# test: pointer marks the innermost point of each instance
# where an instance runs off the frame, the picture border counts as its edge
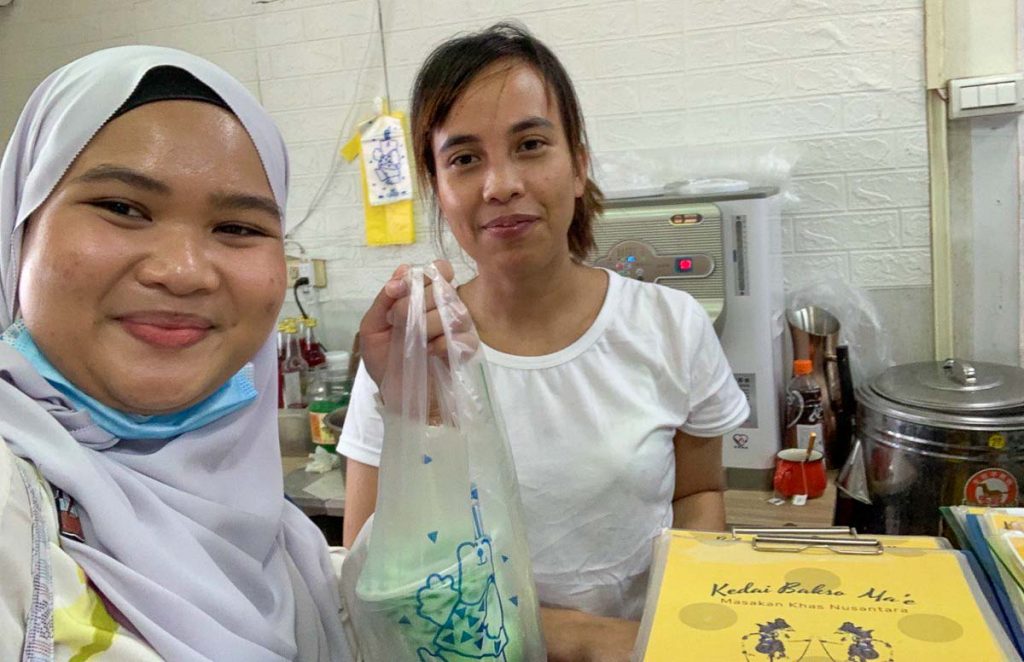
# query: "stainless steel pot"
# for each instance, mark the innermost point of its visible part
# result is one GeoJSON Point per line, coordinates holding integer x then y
{"type": "Point", "coordinates": [939, 433]}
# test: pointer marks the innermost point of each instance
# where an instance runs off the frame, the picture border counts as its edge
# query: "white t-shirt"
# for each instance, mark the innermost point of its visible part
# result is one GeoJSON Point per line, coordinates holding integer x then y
{"type": "Point", "coordinates": [591, 429]}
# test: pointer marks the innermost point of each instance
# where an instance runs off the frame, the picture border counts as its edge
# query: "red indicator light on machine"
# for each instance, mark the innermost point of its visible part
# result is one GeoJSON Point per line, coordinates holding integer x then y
{"type": "Point", "coordinates": [684, 264]}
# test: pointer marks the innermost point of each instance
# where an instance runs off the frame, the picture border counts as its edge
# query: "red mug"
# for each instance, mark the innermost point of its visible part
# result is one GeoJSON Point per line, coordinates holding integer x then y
{"type": "Point", "coordinates": [795, 473]}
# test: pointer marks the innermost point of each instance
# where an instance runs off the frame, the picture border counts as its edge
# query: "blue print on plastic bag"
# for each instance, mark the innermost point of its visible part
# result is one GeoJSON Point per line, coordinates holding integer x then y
{"type": "Point", "coordinates": [474, 628]}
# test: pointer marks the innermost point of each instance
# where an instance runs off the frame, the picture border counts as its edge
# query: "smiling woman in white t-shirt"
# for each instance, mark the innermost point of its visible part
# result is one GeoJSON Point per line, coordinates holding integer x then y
{"type": "Point", "coordinates": [615, 393]}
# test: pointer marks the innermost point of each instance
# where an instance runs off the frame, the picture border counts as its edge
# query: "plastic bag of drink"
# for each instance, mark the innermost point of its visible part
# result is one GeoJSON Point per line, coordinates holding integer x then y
{"type": "Point", "coordinates": [447, 570]}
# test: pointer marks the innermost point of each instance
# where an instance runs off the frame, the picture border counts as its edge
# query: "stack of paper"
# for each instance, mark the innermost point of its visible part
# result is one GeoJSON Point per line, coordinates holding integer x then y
{"type": "Point", "coordinates": [717, 597]}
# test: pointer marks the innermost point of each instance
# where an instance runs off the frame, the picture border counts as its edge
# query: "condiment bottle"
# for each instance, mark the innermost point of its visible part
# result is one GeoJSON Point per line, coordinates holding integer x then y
{"type": "Point", "coordinates": [293, 368]}
{"type": "Point", "coordinates": [327, 392]}
{"type": "Point", "coordinates": [803, 404]}
{"type": "Point", "coordinates": [282, 344]}
{"type": "Point", "coordinates": [312, 350]}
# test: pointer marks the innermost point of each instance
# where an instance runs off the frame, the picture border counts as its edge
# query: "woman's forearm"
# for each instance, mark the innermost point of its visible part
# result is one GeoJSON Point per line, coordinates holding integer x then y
{"type": "Point", "coordinates": [575, 636]}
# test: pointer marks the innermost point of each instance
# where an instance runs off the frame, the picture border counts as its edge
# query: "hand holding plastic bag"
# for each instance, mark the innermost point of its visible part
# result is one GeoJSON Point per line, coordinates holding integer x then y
{"type": "Point", "coordinates": [387, 316]}
{"type": "Point", "coordinates": [447, 574]}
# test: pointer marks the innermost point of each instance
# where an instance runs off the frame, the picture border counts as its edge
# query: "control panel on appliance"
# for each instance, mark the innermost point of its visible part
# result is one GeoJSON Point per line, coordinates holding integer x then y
{"type": "Point", "coordinates": [639, 260]}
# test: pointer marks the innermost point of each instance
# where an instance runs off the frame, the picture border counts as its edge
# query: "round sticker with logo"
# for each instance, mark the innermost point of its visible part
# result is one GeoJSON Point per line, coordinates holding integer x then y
{"type": "Point", "coordinates": [991, 487]}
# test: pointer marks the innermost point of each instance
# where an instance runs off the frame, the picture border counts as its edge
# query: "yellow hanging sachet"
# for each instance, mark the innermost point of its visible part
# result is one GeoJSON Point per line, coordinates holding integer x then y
{"type": "Point", "coordinates": [385, 178]}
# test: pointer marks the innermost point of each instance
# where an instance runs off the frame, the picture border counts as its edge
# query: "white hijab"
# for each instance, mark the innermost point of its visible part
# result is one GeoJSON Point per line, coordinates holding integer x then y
{"type": "Point", "coordinates": [191, 539]}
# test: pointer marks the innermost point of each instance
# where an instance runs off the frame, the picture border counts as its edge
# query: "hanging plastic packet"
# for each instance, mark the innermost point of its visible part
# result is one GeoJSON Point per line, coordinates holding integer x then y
{"type": "Point", "coordinates": [853, 477]}
{"type": "Point", "coordinates": [447, 571]}
{"type": "Point", "coordinates": [384, 179]}
{"type": "Point", "coordinates": [386, 160]}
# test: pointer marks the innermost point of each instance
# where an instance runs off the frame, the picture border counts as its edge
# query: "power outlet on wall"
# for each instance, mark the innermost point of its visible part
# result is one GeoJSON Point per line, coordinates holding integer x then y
{"type": "Point", "coordinates": [315, 270]}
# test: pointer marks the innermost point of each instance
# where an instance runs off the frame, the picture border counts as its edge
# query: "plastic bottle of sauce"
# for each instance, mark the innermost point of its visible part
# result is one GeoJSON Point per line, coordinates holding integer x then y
{"type": "Point", "coordinates": [282, 344]}
{"type": "Point", "coordinates": [803, 405]}
{"type": "Point", "coordinates": [293, 369]}
{"type": "Point", "coordinates": [312, 350]}
{"type": "Point", "coordinates": [328, 391]}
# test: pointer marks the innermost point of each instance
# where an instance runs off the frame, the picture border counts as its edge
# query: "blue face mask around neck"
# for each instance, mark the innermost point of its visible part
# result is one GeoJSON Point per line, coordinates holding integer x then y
{"type": "Point", "coordinates": [238, 392]}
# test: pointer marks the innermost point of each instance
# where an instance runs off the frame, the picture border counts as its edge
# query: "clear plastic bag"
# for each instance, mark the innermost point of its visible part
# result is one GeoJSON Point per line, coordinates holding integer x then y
{"type": "Point", "coordinates": [860, 325]}
{"type": "Point", "coordinates": [447, 572]}
{"type": "Point", "coordinates": [697, 169]}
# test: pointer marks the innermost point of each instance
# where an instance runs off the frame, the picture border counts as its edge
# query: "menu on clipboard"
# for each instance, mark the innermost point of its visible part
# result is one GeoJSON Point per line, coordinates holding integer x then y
{"type": "Point", "coordinates": [763, 597]}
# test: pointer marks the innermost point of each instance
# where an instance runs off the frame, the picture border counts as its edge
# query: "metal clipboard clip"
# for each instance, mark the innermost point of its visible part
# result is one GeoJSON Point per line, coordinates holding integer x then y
{"type": "Point", "coordinates": [837, 539]}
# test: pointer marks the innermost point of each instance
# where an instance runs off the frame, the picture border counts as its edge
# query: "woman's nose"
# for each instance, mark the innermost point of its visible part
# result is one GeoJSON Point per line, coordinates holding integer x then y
{"type": "Point", "coordinates": [503, 181]}
{"type": "Point", "coordinates": [180, 262]}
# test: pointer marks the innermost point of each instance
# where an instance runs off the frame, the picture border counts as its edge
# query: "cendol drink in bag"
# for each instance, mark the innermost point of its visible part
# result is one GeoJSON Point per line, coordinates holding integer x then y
{"type": "Point", "coordinates": [447, 572]}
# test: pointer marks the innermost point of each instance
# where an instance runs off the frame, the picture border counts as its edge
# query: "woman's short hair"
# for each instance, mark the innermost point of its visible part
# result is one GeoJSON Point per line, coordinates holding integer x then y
{"type": "Point", "coordinates": [450, 69]}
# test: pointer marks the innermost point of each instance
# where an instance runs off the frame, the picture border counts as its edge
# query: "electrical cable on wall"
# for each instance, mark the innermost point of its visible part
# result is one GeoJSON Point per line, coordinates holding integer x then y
{"type": "Point", "coordinates": [336, 158]}
{"type": "Point", "coordinates": [384, 58]}
{"type": "Point", "coordinates": [299, 282]}
{"type": "Point", "coordinates": [302, 250]}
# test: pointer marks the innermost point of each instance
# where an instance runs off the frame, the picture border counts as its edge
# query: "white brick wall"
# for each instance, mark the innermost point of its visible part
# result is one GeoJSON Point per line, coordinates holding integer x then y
{"type": "Point", "coordinates": [839, 79]}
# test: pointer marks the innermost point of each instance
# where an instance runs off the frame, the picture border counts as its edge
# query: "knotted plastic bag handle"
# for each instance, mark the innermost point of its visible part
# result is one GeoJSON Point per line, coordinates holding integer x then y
{"type": "Point", "coordinates": [424, 383]}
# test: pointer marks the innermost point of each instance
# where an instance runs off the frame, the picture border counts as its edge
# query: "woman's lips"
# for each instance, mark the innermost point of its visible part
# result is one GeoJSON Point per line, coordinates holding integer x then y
{"type": "Point", "coordinates": [509, 227]}
{"type": "Point", "coordinates": [167, 331]}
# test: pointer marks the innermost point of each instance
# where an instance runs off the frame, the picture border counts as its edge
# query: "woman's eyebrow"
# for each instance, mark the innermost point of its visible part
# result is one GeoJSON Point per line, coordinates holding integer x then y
{"type": "Point", "coordinates": [225, 200]}
{"type": "Point", "coordinates": [456, 140]}
{"type": "Point", "coordinates": [108, 172]}
{"type": "Point", "coordinates": [535, 122]}
{"type": "Point", "coordinates": [244, 201]}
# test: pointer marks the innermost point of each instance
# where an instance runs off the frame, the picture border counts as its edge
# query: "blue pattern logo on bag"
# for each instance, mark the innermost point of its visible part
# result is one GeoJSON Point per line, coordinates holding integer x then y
{"type": "Point", "coordinates": [466, 610]}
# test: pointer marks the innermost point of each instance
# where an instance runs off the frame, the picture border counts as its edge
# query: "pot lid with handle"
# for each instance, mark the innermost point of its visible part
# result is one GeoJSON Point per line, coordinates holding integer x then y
{"type": "Point", "coordinates": [954, 386]}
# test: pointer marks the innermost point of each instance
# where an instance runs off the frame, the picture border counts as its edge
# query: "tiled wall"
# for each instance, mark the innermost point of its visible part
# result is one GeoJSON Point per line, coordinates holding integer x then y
{"type": "Point", "coordinates": [841, 80]}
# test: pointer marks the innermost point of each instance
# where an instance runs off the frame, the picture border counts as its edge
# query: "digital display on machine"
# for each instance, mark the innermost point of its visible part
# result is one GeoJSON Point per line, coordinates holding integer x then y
{"type": "Point", "coordinates": [684, 264]}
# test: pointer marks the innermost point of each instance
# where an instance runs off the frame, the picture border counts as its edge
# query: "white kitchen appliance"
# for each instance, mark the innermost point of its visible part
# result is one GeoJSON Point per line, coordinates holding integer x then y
{"type": "Point", "coordinates": [725, 250]}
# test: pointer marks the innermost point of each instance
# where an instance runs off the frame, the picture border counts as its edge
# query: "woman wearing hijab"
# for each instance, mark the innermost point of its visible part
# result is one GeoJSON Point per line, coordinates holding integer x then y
{"type": "Point", "coordinates": [141, 502]}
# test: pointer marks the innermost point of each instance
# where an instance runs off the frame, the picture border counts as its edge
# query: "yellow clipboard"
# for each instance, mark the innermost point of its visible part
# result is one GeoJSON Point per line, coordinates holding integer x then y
{"type": "Point", "coordinates": [834, 596]}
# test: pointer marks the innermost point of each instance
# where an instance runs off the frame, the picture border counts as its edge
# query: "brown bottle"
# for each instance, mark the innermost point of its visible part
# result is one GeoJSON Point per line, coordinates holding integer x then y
{"type": "Point", "coordinates": [804, 408]}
